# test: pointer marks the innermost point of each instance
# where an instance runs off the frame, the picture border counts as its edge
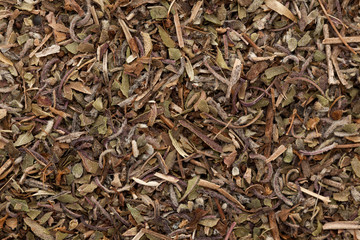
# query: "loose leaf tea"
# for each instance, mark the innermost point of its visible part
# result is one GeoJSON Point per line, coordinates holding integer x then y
{"type": "Point", "coordinates": [164, 119]}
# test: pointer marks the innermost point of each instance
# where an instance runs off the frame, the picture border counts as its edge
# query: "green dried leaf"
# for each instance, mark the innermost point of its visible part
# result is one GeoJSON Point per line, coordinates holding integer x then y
{"type": "Point", "coordinates": [19, 205]}
{"type": "Point", "coordinates": [319, 56]}
{"type": "Point", "coordinates": [351, 128]}
{"type": "Point", "coordinates": [24, 139]}
{"type": "Point", "coordinates": [60, 235]}
{"type": "Point", "coordinates": [292, 44]}
{"type": "Point", "coordinates": [274, 71]}
{"type": "Point", "coordinates": [209, 222]}
{"type": "Point", "coordinates": [255, 5]}
{"type": "Point", "coordinates": [355, 164]}
{"type": "Point", "coordinates": [135, 214]}
{"type": "Point", "coordinates": [87, 188]}
{"type": "Point", "coordinates": [203, 106]}
{"type": "Point", "coordinates": [158, 12]}
{"type": "Point", "coordinates": [241, 12]}
{"type": "Point", "coordinates": [355, 58]}
{"type": "Point", "coordinates": [77, 170]}
{"type": "Point", "coordinates": [325, 102]}
{"type": "Point", "coordinates": [212, 18]}
{"type": "Point", "coordinates": [281, 23]}
{"type": "Point", "coordinates": [45, 218]}
{"type": "Point", "coordinates": [37, 229]}
{"type": "Point", "coordinates": [33, 213]}
{"type": "Point", "coordinates": [67, 198]}
{"type": "Point", "coordinates": [304, 40]}
{"type": "Point", "coordinates": [22, 38]}
{"type": "Point", "coordinates": [174, 53]}
{"type": "Point", "coordinates": [72, 47]}
{"type": "Point", "coordinates": [98, 104]}
{"type": "Point", "coordinates": [289, 155]}
{"type": "Point", "coordinates": [254, 204]}
{"type": "Point", "coordinates": [241, 232]}
{"type": "Point", "coordinates": [167, 41]}
{"type": "Point", "coordinates": [177, 146]}
{"type": "Point", "coordinates": [221, 13]}
{"type": "Point", "coordinates": [318, 229]}
{"type": "Point", "coordinates": [192, 183]}
{"type": "Point", "coordinates": [116, 84]}
{"type": "Point", "coordinates": [85, 121]}
{"type": "Point", "coordinates": [100, 125]}
{"type": "Point", "coordinates": [125, 85]}
{"type": "Point", "coordinates": [289, 97]}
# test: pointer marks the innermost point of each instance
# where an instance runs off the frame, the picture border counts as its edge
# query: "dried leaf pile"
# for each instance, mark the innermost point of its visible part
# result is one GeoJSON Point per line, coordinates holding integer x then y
{"type": "Point", "coordinates": [157, 119]}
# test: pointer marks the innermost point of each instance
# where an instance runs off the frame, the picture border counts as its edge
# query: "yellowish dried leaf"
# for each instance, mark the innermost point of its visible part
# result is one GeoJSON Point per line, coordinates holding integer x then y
{"type": "Point", "coordinates": [355, 139]}
{"type": "Point", "coordinates": [280, 9]}
{"type": "Point", "coordinates": [3, 113]}
{"type": "Point", "coordinates": [177, 146]}
{"type": "Point", "coordinates": [5, 60]}
{"type": "Point", "coordinates": [147, 43]}
{"type": "Point", "coordinates": [189, 69]}
{"type": "Point", "coordinates": [220, 60]}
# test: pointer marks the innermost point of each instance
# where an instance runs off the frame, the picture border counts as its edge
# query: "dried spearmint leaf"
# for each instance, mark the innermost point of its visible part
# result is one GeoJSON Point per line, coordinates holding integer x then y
{"type": "Point", "coordinates": [38, 230]}
{"type": "Point", "coordinates": [111, 114]}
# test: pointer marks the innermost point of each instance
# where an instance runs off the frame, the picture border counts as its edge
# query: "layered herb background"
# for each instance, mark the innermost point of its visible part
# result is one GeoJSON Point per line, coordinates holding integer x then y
{"type": "Point", "coordinates": [155, 119]}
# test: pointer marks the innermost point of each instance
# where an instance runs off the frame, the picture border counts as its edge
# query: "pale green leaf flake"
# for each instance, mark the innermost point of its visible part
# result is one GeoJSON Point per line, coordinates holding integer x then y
{"type": "Point", "coordinates": [87, 188]}
{"type": "Point", "coordinates": [355, 164]}
{"type": "Point", "coordinates": [72, 47]}
{"type": "Point", "coordinates": [165, 37]}
{"type": "Point", "coordinates": [192, 183]}
{"type": "Point", "coordinates": [274, 71]}
{"type": "Point", "coordinates": [125, 85]}
{"type": "Point", "coordinates": [177, 146]}
{"type": "Point", "coordinates": [189, 69]}
{"type": "Point", "coordinates": [305, 40]}
{"type": "Point", "coordinates": [19, 205]}
{"type": "Point", "coordinates": [174, 53]}
{"type": "Point", "coordinates": [292, 44]}
{"type": "Point", "coordinates": [220, 60]}
{"type": "Point", "coordinates": [77, 170]}
{"type": "Point", "coordinates": [98, 104]}
{"type": "Point", "coordinates": [158, 12]}
{"type": "Point", "coordinates": [209, 222]}
{"type": "Point", "coordinates": [37, 229]}
{"type": "Point", "coordinates": [212, 18]}
{"type": "Point", "coordinates": [135, 214]}
{"type": "Point", "coordinates": [23, 139]}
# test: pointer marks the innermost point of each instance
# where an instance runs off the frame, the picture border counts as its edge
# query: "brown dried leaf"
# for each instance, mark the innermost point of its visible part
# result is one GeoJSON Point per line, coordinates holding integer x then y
{"type": "Point", "coordinates": [229, 159]}
{"type": "Point", "coordinates": [79, 86]}
{"type": "Point", "coordinates": [201, 135]}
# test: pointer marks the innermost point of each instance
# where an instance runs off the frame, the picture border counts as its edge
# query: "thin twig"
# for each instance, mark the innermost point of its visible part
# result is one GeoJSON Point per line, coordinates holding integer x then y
{"type": "Point", "coordinates": [335, 29]}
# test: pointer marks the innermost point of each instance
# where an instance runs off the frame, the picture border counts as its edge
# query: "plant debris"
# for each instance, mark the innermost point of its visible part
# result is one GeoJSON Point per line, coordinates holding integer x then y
{"type": "Point", "coordinates": [164, 119]}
